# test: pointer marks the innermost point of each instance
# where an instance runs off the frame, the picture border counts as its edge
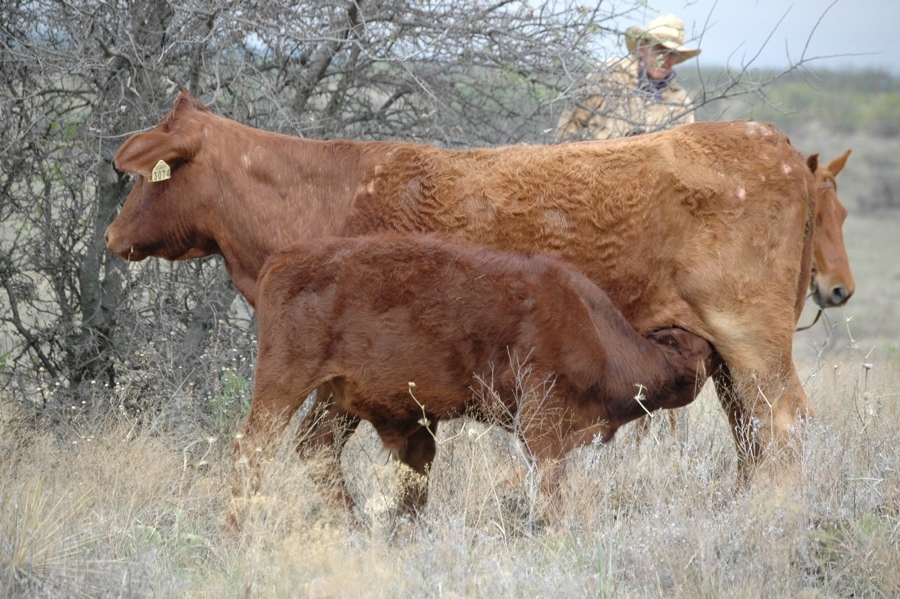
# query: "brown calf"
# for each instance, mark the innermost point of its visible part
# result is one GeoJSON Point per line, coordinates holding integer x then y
{"type": "Point", "coordinates": [405, 328]}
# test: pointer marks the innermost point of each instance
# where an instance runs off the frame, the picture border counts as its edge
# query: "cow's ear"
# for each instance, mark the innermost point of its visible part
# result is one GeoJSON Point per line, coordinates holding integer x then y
{"type": "Point", "coordinates": [188, 103]}
{"type": "Point", "coordinates": [813, 162]}
{"type": "Point", "coordinates": [143, 151]}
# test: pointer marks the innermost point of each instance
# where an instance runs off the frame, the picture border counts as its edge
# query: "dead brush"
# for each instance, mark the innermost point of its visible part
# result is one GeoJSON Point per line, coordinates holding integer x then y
{"type": "Point", "coordinates": [39, 551]}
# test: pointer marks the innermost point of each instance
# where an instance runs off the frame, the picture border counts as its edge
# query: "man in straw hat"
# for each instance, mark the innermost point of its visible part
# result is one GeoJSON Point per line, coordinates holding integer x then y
{"type": "Point", "coordinates": [635, 94]}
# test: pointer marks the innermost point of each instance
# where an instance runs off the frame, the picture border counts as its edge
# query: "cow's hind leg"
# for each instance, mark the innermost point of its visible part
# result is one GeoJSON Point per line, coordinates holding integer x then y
{"type": "Point", "coordinates": [740, 419]}
{"type": "Point", "coordinates": [321, 437]}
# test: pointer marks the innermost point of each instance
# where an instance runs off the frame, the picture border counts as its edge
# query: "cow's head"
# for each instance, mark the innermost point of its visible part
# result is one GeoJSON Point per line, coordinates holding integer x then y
{"type": "Point", "coordinates": [161, 217]}
{"type": "Point", "coordinates": [832, 281]}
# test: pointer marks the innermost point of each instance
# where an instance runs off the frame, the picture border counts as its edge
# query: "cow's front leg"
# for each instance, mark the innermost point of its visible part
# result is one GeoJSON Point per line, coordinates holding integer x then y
{"type": "Point", "coordinates": [255, 445]}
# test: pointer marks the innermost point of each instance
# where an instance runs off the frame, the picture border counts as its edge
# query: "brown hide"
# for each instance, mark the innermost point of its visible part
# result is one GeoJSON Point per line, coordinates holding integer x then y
{"type": "Point", "coordinates": [832, 282]}
{"type": "Point", "coordinates": [706, 227]}
{"type": "Point", "coordinates": [408, 326]}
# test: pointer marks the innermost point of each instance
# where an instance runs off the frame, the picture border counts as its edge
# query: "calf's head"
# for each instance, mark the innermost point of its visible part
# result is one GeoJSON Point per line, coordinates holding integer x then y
{"type": "Point", "coordinates": [690, 362]}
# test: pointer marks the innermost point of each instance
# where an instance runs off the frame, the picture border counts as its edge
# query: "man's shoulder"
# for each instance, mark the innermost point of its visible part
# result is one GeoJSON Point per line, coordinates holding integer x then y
{"type": "Point", "coordinates": [620, 64]}
{"type": "Point", "coordinates": [622, 69]}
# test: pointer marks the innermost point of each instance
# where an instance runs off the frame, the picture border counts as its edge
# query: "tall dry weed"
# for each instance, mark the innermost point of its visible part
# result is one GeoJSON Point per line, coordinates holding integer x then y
{"type": "Point", "coordinates": [109, 509]}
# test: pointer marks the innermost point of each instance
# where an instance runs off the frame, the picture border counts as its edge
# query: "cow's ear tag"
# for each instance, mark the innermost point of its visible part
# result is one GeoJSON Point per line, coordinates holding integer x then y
{"type": "Point", "coordinates": [160, 172]}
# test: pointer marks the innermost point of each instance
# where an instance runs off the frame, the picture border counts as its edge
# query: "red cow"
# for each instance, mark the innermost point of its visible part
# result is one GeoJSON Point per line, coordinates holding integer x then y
{"type": "Point", "coordinates": [707, 227]}
{"type": "Point", "coordinates": [411, 330]}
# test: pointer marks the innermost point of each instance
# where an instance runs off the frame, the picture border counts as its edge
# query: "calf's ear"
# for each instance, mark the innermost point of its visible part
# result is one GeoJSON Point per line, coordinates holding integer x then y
{"type": "Point", "coordinates": [143, 151]}
{"type": "Point", "coordinates": [689, 346]}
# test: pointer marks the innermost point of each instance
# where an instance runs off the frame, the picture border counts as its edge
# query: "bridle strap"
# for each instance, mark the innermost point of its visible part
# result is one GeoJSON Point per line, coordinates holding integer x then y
{"type": "Point", "coordinates": [815, 320]}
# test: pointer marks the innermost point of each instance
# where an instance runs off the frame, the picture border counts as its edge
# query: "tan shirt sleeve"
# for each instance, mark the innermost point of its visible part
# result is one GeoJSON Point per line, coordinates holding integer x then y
{"type": "Point", "coordinates": [577, 116]}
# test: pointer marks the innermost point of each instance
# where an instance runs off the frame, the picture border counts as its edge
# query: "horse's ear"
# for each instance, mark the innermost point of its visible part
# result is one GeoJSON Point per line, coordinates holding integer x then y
{"type": "Point", "coordinates": [837, 165]}
{"type": "Point", "coordinates": [812, 161]}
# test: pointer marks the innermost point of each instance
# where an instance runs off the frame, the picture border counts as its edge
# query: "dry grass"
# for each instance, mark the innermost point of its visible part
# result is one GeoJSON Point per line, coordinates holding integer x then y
{"type": "Point", "coordinates": [124, 514]}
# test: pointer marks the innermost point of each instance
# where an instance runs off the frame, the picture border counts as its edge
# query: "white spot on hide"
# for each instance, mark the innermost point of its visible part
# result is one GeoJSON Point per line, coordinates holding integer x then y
{"type": "Point", "coordinates": [556, 220]}
{"type": "Point", "coordinates": [754, 128]}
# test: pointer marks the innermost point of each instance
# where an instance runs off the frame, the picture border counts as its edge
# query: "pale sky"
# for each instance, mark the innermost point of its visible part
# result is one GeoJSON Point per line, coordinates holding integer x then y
{"type": "Point", "coordinates": [852, 33]}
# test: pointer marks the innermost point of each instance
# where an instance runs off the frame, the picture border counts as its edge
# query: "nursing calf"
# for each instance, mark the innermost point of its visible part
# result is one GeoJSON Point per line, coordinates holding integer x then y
{"type": "Point", "coordinates": [409, 331]}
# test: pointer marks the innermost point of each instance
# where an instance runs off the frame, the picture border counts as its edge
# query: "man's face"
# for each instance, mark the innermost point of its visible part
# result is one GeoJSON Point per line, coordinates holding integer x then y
{"type": "Point", "coordinates": [657, 60]}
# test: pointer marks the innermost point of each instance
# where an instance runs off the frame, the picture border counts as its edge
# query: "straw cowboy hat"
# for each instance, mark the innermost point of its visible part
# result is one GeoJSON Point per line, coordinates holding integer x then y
{"type": "Point", "coordinates": [666, 30]}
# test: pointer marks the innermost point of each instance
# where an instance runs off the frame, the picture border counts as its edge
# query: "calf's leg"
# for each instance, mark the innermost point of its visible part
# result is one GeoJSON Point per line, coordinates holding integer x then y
{"type": "Point", "coordinates": [322, 434]}
{"type": "Point", "coordinates": [548, 451]}
{"type": "Point", "coordinates": [642, 425]}
{"type": "Point", "coordinates": [548, 429]}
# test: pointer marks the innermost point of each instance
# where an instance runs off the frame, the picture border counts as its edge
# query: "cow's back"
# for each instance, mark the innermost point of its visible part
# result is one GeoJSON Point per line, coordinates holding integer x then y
{"type": "Point", "coordinates": [658, 221]}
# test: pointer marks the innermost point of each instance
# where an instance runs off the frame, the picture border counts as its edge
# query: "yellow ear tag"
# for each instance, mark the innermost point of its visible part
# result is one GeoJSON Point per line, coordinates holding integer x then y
{"type": "Point", "coordinates": [160, 172]}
